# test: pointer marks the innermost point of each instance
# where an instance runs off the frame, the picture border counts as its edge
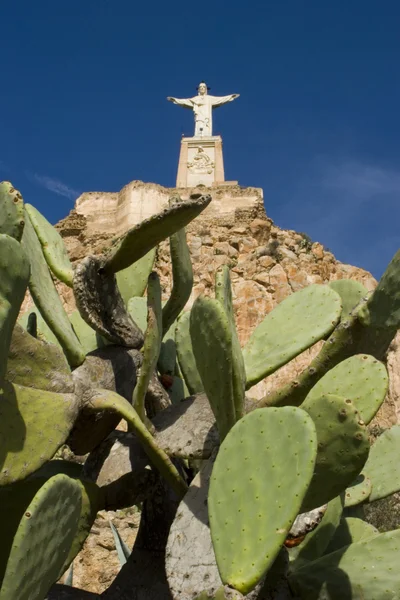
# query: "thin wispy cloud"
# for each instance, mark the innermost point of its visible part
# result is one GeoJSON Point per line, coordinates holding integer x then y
{"type": "Point", "coordinates": [361, 180]}
{"type": "Point", "coordinates": [54, 185]}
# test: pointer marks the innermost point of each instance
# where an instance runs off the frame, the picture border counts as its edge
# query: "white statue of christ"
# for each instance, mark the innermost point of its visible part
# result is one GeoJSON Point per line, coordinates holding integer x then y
{"type": "Point", "coordinates": [202, 106]}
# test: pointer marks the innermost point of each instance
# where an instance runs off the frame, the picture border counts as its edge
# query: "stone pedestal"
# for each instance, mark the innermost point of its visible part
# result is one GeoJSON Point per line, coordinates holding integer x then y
{"type": "Point", "coordinates": [201, 162]}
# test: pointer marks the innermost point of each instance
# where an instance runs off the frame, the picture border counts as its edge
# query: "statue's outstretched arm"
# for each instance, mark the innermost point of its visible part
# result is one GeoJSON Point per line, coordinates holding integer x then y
{"type": "Point", "coordinates": [185, 102]}
{"type": "Point", "coordinates": [220, 100]}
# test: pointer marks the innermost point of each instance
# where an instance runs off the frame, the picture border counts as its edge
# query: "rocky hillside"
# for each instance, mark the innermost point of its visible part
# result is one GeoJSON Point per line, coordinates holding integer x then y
{"type": "Point", "coordinates": [267, 264]}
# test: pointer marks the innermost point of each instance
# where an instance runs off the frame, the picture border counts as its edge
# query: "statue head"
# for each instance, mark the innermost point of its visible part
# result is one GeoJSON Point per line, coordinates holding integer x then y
{"type": "Point", "coordinates": [202, 88]}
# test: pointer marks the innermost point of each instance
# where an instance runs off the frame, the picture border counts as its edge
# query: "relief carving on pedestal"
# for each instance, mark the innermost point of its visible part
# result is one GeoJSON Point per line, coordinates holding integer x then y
{"type": "Point", "coordinates": [201, 163]}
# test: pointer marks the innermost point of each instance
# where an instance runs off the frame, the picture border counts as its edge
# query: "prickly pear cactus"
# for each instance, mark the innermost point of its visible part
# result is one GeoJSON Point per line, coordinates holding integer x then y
{"type": "Point", "coordinates": [358, 491]}
{"type": "Point", "coordinates": [133, 280]}
{"type": "Point", "coordinates": [301, 320]}
{"type": "Point", "coordinates": [366, 570]}
{"type": "Point", "coordinates": [33, 425]}
{"type": "Point", "coordinates": [182, 277]}
{"type": "Point", "coordinates": [259, 479]}
{"type": "Point", "coordinates": [211, 334]}
{"type": "Point", "coordinates": [343, 447]}
{"type": "Point", "coordinates": [184, 349]}
{"type": "Point", "coordinates": [223, 293]}
{"type": "Point", "coordinates": [149, 233]}
{"type": "Point", "coordinates": [152, 344]}
{"type": "Point", "coordinates": [14, 269]}
{"type": "Point", "coordinates": [47, 299]}
{"type": "Point", "coordinates": [361, 378]}
{"type": "Point", "coordinates": [42, 540]}
{"type": "Point", "coordinates": [12, 219]}
{"type": "Point", "coordinates": [383, 466]}
{"type": "Point", "coordinates": [53, 246]}
{"type": "Point", "coordinates": [351, 292]}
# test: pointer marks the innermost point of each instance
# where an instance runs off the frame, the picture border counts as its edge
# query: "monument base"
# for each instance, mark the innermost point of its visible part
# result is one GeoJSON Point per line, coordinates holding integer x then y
{"type": "Point", "coordinates": [201, 162]}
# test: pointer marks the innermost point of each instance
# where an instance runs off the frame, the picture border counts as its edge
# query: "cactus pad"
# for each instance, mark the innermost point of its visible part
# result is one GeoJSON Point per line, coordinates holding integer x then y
{"type": "Point", "coordinates": [149, 233]}
{"type": "Point", "coordinates": [361, 378]}
{"type": "Point", "coordinates": [223, 293]}
{"type": "Point", "coordinates": [44, 333]}
{"type": "Point", "coordinates": [186, 359]}
{"type": "Point", "coordinates": [366, 570]}
{"type": "Point", "coordinates": [47, 299]}
{"type": "Point", "coordinates": [14, 277]}
{"type": "Point", "coordinates": [42, 541]}
{"type": "Point", "coordinates": [211, 335]}
{"type": "Point", "coordinates": [343, 447]}
{"type": "Point", "coordinates": [182, 279]}
{"type": "Point", "coordinates": [350, 531]}
{"type": "Point", "coordinates": [33, 363]}
{"type": "Point", "coordinates": [33, 425]}
{"type": "Point", "coordinates": [358, 492]}
{"type": "Point", "coordinates": [12, 219]}
{"type": "Point", "coordinates": [101, 306]}
{"type": "Point", "coordinates": [383, 308]}
{"type": "Point", "coordinates": [351, 292]}
{"type": "Point", "coordinates": [53, 246]}
{"type": "Point", "coordinates": [301, 320]}
{"type": "Point", "coordinates": [151, 346]}
{"type": "Point", "coordinates": [133, 280]}
{"type": "Point", "coordinates": [383, 465]}
{"type": "Point", "coordinates": [259, 479]}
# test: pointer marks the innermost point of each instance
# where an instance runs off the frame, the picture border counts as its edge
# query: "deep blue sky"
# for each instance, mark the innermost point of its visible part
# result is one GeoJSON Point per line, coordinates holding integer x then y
{"type": "Point", "coordinates": [317, 126]}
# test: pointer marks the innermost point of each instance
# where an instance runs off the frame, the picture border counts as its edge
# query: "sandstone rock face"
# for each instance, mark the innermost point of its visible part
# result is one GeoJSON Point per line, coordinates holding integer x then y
{"type": "Point", "coordinates": [267, 264]}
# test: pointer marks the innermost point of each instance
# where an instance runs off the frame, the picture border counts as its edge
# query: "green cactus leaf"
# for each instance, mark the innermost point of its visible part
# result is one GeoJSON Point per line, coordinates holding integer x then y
{"type": "Point", "coordinates": [44, 333]}
{"type": "Point", "coordinates": [152, 344]}
{"type": "Point", "coordinates": [86, 334]}
{"type": "Point", "coordinates": [223, 293]}
{"type": "Point", "coordinates": [12, 219]}
{"type": "Point", "coordinates": [383, 465]}
{"type": "Point", "coordinates": [14, 277]}
{"type": "Point", "coordinates": [358, 492]}
{"type": "Point", "coordinates": [343, 447]}
{"type": "Point", "coordinates": [366, 570]}
{"type": "Point", "coordinates": [137, 308]}
{"type": "Point", "coordinates": [211, 334]}
{"type": "Point", "coordinates": [42, 540]}
{"type": "Point", "coordinates": [301, 320]}
{"type": "Point", "coordinates": [92, 500]}
{"type": "Point", "coordinates": [33, 363]}
{"type": "Point", "coordinates": [133, 280]}
{"type": "Point", "coordinates": [149, 233]}
{"type": "Point", "coordinates": [47, 299]}
{"type": "Point", "coordinates": [33, 425]}
{"type": "Point", "coordinates": [186, 359]}
{"type": "Point", "coordinates": [182, 279]}
{"type": "Point", "coordinates": [383, 307]}
{"type": "Point", "coordinates": [361, 378]}
{"type": "Point", "coordinates": [316, 542]}
{"type": "Point", "coordinates": [167, 359]}
{"type": "Point", "coordinates": [259, 479]}
{"type": "Point", "coordinates": [350, 531]}
{"type": "Point", "coordinates": [351, 292]}
{"type": "Point", "coordinates": [53, 246]}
